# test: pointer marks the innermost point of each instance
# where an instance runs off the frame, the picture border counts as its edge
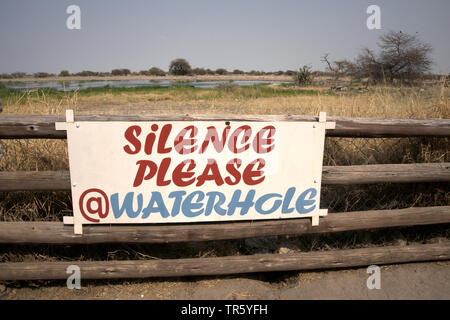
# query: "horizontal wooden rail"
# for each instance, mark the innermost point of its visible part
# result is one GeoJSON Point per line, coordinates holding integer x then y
{"type": "Point", "coordinates": [57, 233]}
{"type": "Point", "coordinates": [395, 173]}
{"type": "Point", "coordinates": [331, 175]}
{"type": "Point", "coordinates": [227, 265]}
{"type": "Point", "coordinates": [43, 126]}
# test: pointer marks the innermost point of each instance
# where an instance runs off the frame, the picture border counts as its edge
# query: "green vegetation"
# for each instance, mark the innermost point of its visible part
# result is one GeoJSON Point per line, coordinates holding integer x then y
{"type": "Point", "coordinates": [43, 75]}
{"type": "Point", "coordinates": [199, 71]}
{"type": "Point", "coordinates": [303, 77]}
{"type": "Point", "coordinates": [180, 67]}
{"type": "Point", "coordinates": [231, 91]}
{"type": "Point", "coordinates": [120, 72]}
{"type": "Point", "coordinates": [154, 71]}
{"type": "Point", "coordinates": [64, 73]}
{"type": "Point", "coordinates": [221, 71]}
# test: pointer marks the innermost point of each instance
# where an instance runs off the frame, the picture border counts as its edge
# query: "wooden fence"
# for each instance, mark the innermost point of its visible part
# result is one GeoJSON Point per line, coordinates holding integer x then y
{"type": "Point", "coordinates": [26, 233]}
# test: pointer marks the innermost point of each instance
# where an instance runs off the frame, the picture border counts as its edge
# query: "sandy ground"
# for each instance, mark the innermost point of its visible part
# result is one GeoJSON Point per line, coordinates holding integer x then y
{"type": "Point", "coordinates": [406, 281]}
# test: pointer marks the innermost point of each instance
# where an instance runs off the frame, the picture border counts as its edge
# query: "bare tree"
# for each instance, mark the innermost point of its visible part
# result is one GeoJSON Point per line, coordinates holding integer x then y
{"type": "Point", "coordinates": [338, 68]}
{"type": "Point", "coordinates": [402, 57]}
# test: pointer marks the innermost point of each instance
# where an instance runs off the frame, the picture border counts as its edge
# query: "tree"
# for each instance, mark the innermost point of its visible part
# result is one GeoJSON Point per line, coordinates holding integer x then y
{"type": "Point", "coordinates": [402, 57]}
{"type": "Point", "coordinates": [180, 67]}
{"type": "Point", "coordinates": [18, 74]}
{"type": "Point", "coordinates": [221, 71]}
{"type": "Point", "coordinates": [303, 77]}
{"type": "Point", "coordinates": [120, 72]}
{"type": "Point", "coordinates": [199, 71]}
{"type": "Point", "coordinates": [42, 75]}
{"type": "Point", "coordinates": [64, 73]}
{"type": "Point", "coordinates": [338, 68]}
{"type": "Point", "coordinates": [154, 71]}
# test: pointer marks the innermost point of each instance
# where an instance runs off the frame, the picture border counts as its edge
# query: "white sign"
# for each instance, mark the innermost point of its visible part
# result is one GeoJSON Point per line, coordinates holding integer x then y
{"type": "Point", "coordinates": [180, 171]}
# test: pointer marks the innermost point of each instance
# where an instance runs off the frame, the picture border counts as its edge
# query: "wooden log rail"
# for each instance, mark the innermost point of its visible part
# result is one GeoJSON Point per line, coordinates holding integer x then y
{"type": "Point", "coordinates": [57, 233]}
{"type": "Point", "coordinates": [331, 175]}
{"type": "Point", "coordinates": [43, 126]}
{"type": "Point", "coordinates": [227, 265]}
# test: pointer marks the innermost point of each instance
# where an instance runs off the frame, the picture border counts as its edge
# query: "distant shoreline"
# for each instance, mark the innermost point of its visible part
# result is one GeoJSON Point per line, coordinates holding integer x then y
{"type": "Point", "coordinates": [233, 77]}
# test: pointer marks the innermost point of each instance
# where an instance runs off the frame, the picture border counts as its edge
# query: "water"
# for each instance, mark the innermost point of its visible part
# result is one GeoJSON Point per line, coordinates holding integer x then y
{"type": "Point", "coordinates": [73, 85]}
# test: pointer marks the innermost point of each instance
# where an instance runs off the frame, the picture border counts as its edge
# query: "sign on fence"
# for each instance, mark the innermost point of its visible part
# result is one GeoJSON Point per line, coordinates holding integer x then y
{"type": "Point", "coordinates": [196, 171]}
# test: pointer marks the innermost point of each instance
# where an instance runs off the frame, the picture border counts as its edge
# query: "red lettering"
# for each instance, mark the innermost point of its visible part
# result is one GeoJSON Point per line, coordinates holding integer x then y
{"type": "Point", "coordinates": [98, 210]}
{"type": "Point", "coordinates": [181, 142]}
{"type": "Point", "coordinates": [232, 143]}
{"type": "Point", "coordinates": [162, 171]}
{"type": "Point", "coordinates": [249, 174]}
{"type": "Point", "coordinates": [215, 174]}
{"type": "Point", "coordinates": [232, 167]}
{"type": "Point", "coordinates": [213, 136]}
{"type": "Point", "coordinates": [131, 135]}
{"type": "Point", "coordinates": [259, 142]}
{"type": "Point", "coordinates": [179, 175]}
{"type": "Point", "coordinates": [150, 140]}
{"type": "Point", "coordinates": [140, 175]}
{"type": "Point", "coordinates": [165, 132]}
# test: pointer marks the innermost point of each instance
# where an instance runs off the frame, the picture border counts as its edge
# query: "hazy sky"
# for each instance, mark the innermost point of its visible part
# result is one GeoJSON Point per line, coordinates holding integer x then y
{"type": "Point", "coordinates": [265, 35]}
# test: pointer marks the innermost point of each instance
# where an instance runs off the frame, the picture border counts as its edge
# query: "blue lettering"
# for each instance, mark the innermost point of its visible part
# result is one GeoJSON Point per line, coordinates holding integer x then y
{"type": "Point", "coordinates": [302, 202]}
{"type": "Point", "coordinates": [259, 203]}
{"type": "Point", "coordinates": [178, 195]}
{"type": "Point", "coordinates": [160, 206]}
{"type": "Point", "coordinates": [127, 205]}
{"type": "Point", "coordinates": [287, 201]}
{"type": "Point", "coordinates": [213, 204]}
{"type": "Point", "coordinates": [188, 207]}
{"type": "Point", "coordinates": [244, 205]}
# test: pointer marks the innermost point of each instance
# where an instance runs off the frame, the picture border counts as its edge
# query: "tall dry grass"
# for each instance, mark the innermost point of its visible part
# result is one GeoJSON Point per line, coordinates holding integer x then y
{"type": "Point", "coordinates": [378, 102]}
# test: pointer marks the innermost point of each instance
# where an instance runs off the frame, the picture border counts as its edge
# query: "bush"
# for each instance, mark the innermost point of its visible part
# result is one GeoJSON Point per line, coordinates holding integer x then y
{"type": "Point", "coordinates": [303, 77]}
{"type": "Point", "coordinates": [290, 73]}
{"type": "Point", "coordinates": [87, 73]}
{"type": "Point", "coordinates": [18, 74]}
{"type": "Point", "coordinates": [156, 72]}
{"type": "Point", "coordinates": [221, 71]}
{"type": "Point", "coordinates": [42, 75]}
{"type": "Point", "coordinates": [5, 76]}
{"type": "Point", "coordinates": [120, 72]}
{"type": "Point", "coordinates": [256, 73]}
{"type": "Point", "coordinates": [237, 71]}
{"type": "Point", "coordinates": [180, 67]}
{"type": "Point", "coordinates": [64, 73]}
{"type": "Point", "coordinates": [199, 71]}
{"type": "Point", "coordinates": [209, 71]}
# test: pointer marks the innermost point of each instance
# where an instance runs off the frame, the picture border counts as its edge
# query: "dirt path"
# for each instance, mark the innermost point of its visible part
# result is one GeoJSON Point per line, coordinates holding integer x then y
{"type": "Point", "coordinates": [407, 281]}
